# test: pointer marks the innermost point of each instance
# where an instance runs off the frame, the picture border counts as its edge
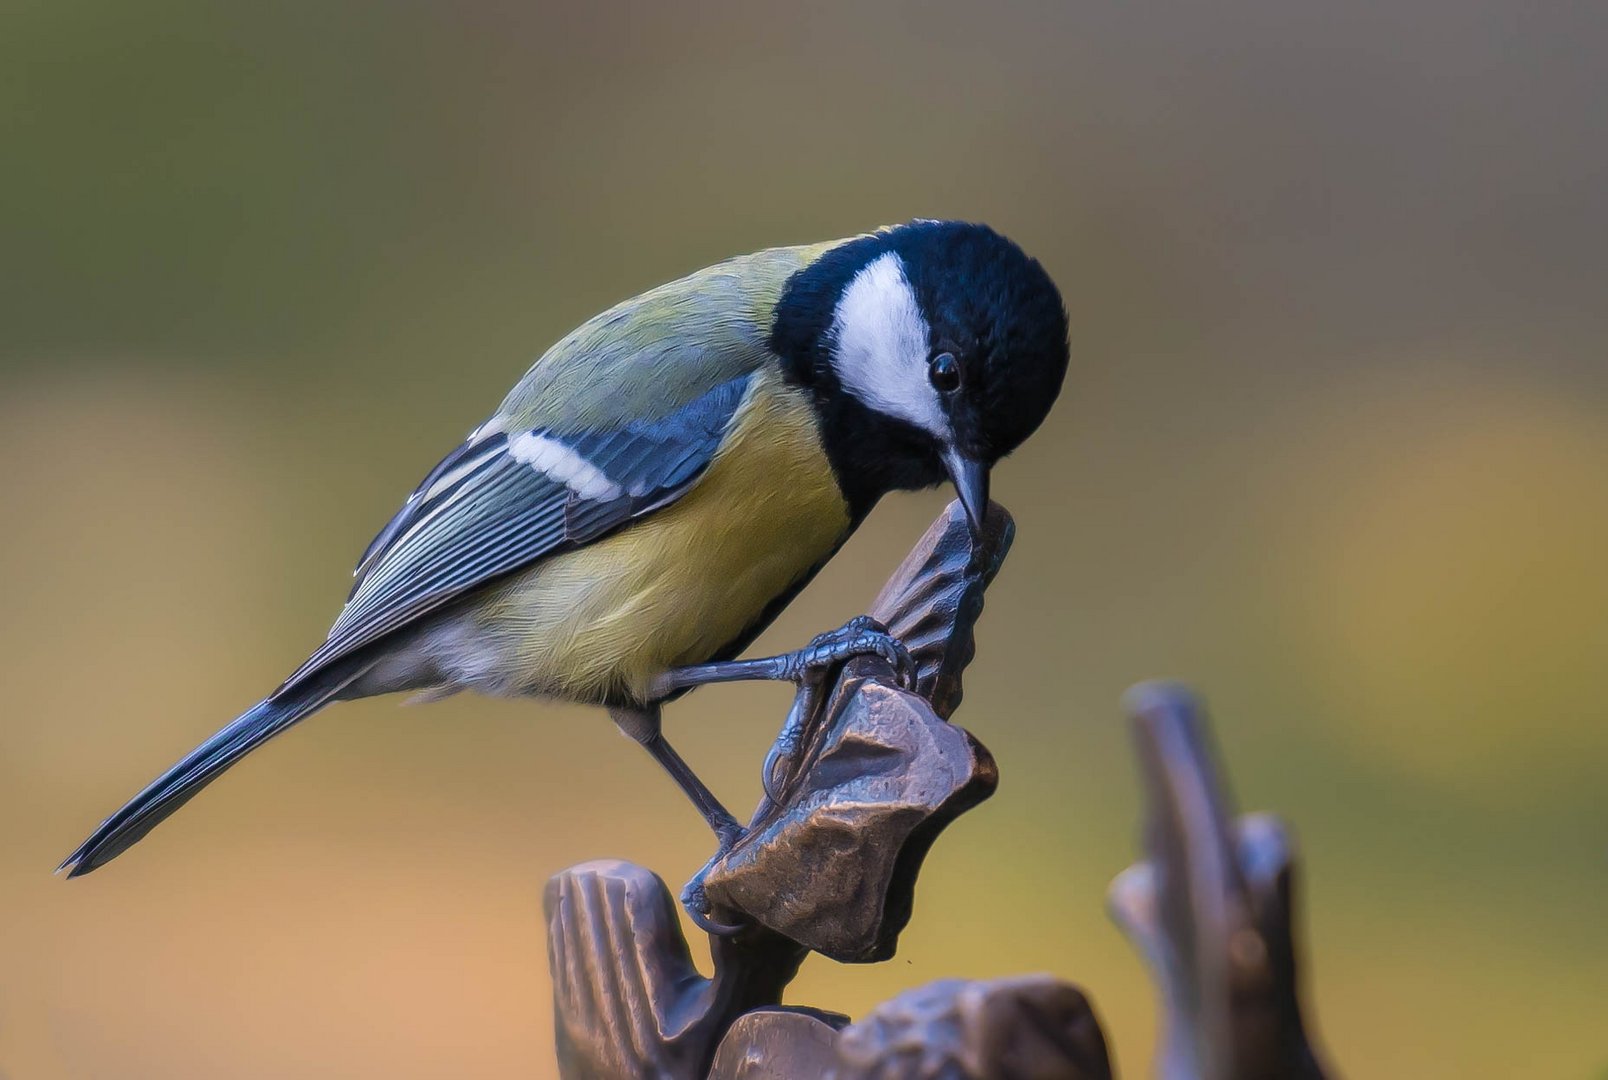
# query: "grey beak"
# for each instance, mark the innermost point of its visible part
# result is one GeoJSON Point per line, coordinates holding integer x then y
{"type": "Point", "coordinates": [970, 478]}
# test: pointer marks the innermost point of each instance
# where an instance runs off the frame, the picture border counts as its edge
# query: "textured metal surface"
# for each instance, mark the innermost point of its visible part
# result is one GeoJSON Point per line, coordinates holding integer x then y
{"type": "Point", "coordinates": [628, 1003]}
{"type": "Point", "coordinates": [1211, 908]}
{"type": "Point", "coordinates": [932, 601]}
{"type": "Point", "coordinates": [833, 865]}
{"type": "Point", "coordinates": [864, 777]}
{"type": "Point", "coordinates": [1030, 1027]}
{"type": "Point", "coordinates": [868, 776]}
{"type": "Point", "coordinates": [779, 1044]}
{"type": "Point", "coordinates": [831, 861]}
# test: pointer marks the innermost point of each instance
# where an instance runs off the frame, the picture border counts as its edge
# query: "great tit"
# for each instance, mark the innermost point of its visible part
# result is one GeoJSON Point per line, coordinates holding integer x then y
{"type": "Point", "coordinates": [666, 478]}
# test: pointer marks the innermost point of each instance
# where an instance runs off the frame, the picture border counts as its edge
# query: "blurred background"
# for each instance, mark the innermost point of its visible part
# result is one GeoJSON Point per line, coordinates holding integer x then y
{"type": "Point", "coordinates": [1334, 449]}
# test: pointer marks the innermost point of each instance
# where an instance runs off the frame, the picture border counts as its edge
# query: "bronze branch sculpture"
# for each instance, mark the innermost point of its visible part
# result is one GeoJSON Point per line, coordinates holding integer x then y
{"type": "Point", "coordinates": [863, 777]}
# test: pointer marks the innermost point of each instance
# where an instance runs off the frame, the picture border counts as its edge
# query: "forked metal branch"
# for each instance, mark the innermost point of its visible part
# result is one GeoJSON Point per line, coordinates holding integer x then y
{"type": "Point", "coordinates": [864, 776]}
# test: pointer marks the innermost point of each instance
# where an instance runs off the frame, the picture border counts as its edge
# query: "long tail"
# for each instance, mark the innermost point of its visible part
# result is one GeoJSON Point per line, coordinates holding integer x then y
{"type": "Point", "coordinates": [199, 768]}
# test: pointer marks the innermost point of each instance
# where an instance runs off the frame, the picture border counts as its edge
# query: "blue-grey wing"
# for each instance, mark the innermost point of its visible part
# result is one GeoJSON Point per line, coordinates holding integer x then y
{"type": "Point", "coordinates": [503, 500]}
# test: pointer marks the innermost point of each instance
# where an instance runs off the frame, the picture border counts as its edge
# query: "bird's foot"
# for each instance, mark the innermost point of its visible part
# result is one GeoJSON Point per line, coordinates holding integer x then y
{"type": "Point", "coordinates": [696, 901]}
{"type": "Point", "coordinates": [860, 636]}
{"type": "Point", "coordinates": [808, 667]}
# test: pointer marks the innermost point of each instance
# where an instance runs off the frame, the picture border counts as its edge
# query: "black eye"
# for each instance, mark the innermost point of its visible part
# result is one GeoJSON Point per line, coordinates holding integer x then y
{"type": "Point", "coordinates": [944, 371]}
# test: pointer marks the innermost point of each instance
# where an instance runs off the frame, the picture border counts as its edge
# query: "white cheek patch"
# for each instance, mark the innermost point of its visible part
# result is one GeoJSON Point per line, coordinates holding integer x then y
{"type": "Point", "coordinates": [880, 346]}
{"type": "Point", "coordinates": [563, 465]}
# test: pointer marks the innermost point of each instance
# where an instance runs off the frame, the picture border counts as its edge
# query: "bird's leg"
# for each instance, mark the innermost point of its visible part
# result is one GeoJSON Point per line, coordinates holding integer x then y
{"type": "Point", "coordinates": [643, 725]}
{"type": "Point", "coordinates": [860, 636]}
{"type": "Point", "coordinates": [808, 668]}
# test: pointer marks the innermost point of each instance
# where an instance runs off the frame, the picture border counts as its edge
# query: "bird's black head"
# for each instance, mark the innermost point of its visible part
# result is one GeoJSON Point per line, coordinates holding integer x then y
{"type": "Point", "coordinates": [933, 349]}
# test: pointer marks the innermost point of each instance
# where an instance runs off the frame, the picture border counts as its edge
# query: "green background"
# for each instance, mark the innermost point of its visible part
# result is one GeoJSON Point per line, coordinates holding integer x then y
{"type": "Point", "coordinates": [1334, 449]}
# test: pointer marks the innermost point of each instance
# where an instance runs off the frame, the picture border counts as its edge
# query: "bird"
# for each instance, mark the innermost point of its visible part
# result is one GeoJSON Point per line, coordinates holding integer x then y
{"type": "Point", "coordinates": [663, 481]}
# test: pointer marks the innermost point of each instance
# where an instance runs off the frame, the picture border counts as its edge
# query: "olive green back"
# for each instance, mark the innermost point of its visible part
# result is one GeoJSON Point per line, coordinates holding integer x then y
{"type": "Point", "coordinates": [654, 353]}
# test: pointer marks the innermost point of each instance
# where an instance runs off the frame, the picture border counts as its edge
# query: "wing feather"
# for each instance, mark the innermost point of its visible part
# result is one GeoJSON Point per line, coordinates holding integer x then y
{"type": "Point", "coordinates": [486, 510]}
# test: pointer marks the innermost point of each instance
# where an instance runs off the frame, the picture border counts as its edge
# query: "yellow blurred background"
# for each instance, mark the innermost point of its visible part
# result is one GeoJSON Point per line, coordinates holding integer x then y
{"type": "Point", "coordinates": [1334, 449]}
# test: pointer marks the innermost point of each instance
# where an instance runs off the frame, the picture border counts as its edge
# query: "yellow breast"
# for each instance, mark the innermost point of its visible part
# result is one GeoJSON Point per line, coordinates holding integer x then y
{"type": "Point", "coordinates": [687, 580]}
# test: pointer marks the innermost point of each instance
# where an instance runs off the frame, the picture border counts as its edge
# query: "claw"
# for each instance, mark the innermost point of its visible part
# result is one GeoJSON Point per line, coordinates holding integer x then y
{"type": "Point", "coordinates": [695, 901]}
{"type": "Point", "coordinates": [775, 767]}
{"type": "Point", "coordinates": [898, 657]}
{"type": "Point", "coordinates": [904, 665]}
{"type": "Point", "coordinates": [789, 741]}
{"type": "Point", "coordinates": [907, 674]}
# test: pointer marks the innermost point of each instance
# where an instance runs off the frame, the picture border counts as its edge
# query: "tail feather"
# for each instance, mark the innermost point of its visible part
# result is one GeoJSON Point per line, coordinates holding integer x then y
{"type": "Point", "coordinates": [199, 768]}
